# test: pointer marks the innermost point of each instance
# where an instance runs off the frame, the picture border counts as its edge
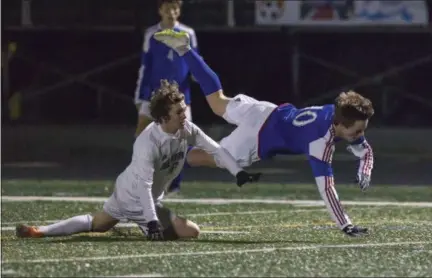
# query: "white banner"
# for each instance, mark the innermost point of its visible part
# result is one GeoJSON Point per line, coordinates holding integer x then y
{"type": "Point", "coordinates": [341, 12]}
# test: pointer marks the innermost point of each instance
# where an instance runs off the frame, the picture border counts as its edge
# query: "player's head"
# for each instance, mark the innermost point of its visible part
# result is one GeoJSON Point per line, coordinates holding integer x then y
{"type": "Point", "coordinates": [167, 106]}
{"type": "Point", "coordinates": [169, 10]}
{"type": "Point", "coordinates": [352, 114]}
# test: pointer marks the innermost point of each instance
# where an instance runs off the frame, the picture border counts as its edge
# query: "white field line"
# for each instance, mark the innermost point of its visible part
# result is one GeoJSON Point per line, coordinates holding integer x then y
{"type": "Point", "coordinates": [205, 253]}
{"type": "Point", "coordinates": [187, 215]}
{"type": "Point", "coordinates": [131, 225]}
{"type": "Point", "coordinates": [136, 275]}
{"type": "Point", "coordinates": [11, 272]}
{"type": "Point", "coordinates": [215, 201]}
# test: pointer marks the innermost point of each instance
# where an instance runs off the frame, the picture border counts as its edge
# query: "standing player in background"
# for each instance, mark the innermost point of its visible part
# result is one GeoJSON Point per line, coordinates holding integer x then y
{"type": "Point", "coordinates": [158, 156]}
{"type": "Point", "coordinates": [160, 62]}
{"type": "Point", "coordinates": [265, 129]}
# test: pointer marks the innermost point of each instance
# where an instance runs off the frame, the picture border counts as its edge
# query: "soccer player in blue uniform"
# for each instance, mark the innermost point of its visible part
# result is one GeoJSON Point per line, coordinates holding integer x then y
{"type": "Point", "coordinates": [160, 62]}
{"type": "Point", "coordinates": [265, 129]}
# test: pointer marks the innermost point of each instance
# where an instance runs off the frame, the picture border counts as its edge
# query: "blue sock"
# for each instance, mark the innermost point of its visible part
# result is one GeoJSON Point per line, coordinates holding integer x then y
{"type": "Point", "coordinates": [175, 184]}
{"type": "Point", "coordinates": [206, 77]}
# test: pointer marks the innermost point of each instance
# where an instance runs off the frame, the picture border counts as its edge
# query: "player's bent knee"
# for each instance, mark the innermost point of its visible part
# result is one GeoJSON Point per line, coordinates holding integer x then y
{"type": "Point", "coordinates": [218, 102]}
{"type": "Point", "coordinates": [102, 222]}
{"type": "Point", "coordinates": [185, 228]}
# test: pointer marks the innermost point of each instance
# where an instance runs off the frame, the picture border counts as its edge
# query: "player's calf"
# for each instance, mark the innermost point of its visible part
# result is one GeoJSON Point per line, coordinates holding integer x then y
{"type": "Point", "coordinates": [99, 222]}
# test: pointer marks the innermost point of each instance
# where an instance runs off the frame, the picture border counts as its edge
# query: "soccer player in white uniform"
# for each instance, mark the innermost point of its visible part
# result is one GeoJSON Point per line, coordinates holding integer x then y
{"type": "Point", "coordinates": [158, 156]}
{"type": "Point", "coordinates": [265, 129]}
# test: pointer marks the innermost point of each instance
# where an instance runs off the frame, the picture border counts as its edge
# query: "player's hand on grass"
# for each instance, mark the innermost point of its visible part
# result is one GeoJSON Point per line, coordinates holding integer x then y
{"type": "Point", "coordinates": [363, 181]}
{"type": "Point", "coordinates": [154, 231]}
{"type": "Point", "coordinates": [355, 231]}
{"type": "Point", "coordinates": [245, 177]}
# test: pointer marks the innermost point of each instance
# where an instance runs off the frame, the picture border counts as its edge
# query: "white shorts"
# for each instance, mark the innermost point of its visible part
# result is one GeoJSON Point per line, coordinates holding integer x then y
{"type": "Point", "coordinates": [249, 115]}
{"type": "Point", "coordinates": [145, 110]}
{"type": "Point", "coordinates": [130, 209]}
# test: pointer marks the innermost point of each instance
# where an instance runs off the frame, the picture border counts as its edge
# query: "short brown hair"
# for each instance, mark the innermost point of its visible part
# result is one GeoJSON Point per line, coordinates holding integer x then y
{"type": "Point", "coordinates": [352, 107]}
{"type": "Point", "coordinates": [164, 97]}
{"type": "Point", "coordinates": [161, 2]}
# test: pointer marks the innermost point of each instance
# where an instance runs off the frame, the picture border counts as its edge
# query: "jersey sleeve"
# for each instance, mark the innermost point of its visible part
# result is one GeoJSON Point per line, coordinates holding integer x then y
{"type": "Point", "coordinates": [193, 40]}
{"type": "Point", "coordinates": [320, 158]}
{"type": "Point", "coordinates": [203, 141]}
{"type": "Point", "coordinates": [144, 160]}
{"type": "Point", "coordinates": [321, 150]}
{"type": "Point", "coordinates": [362, 149]}
{"type": "Point", "coordinates": [143, 90]}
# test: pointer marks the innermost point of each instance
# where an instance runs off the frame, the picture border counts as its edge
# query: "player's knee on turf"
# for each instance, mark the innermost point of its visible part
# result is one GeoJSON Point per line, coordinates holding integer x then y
{"type": "Point", "coordinates": [198, 157]}
{"type": "Point", "coordinates": [185, 228]}
{"type": "Point", "coordinates": [102, 222]}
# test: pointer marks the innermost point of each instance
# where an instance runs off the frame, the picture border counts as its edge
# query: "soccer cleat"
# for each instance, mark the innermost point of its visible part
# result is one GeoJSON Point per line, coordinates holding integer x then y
{"type": "Point", "coordinates": [355, 231]}
{"type": "Point", "coordinates": [173, 39]}
{"type": "Point", "coordinates": [27, 231]}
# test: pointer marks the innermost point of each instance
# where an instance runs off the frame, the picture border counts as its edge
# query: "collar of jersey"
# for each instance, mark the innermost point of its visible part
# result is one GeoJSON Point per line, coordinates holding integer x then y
{"type": "Point", "coordinates": [168, 135]}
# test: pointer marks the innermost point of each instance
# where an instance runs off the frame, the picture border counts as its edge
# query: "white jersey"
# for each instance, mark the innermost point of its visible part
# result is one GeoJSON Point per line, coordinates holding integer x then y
{"type": "Point", "coordinates": [158, 157]}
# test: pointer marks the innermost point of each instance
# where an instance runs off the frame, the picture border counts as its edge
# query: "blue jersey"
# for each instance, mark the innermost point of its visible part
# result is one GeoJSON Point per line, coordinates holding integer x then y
{"type": "Point", "coordinates": [309, 131]}
{"type": "Point", "coordinates": [159, 61]}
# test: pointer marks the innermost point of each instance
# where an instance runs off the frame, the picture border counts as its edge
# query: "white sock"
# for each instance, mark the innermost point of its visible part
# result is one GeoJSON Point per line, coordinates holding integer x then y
{"type": "Point", "coordinates": [74, 225]}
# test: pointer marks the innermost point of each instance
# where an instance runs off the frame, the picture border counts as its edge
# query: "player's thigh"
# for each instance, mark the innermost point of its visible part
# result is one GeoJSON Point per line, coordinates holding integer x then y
{"type": "Point", "coordinates": [175, 226]}
{"type": "Point", "coordinates": [102, 221]}
{"type": "Point", "coordinates": [108, 217]}
{"type": "Point", "coordinates": [241, 144]}
{"type": "Point", "coordinates": [244, 109]}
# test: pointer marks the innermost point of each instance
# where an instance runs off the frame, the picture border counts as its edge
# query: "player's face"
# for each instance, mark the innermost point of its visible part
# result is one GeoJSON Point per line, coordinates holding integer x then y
{"type": "Point", "coordinates": [353, 132]}
{"type": "Point", "coordinates": [169, 12]}
{"type": "Point", "coordinates": [177, 116]}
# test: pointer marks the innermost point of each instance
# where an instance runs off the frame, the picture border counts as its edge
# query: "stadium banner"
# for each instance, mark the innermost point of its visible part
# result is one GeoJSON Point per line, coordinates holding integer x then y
{"type": "Point", "coordinates": [341, 12]}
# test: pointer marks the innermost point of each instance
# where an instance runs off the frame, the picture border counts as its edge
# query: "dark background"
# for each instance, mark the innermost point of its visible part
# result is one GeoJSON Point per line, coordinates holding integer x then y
{"type": "Point", "coordinates": [78, 66]}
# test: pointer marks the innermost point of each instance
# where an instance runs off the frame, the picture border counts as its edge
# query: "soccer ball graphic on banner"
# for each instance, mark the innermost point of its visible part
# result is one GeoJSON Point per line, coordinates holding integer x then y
{"type": "Point", "coordinates": [271, 9]}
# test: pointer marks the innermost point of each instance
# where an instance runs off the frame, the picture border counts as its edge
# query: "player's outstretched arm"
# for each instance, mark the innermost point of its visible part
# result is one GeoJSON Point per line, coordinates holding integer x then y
{"type": "Point", "coordinates": [324, 179]}
{"type": "Point", "coordinates": [361, 149]}
{"type": "Point", "coordinates": [204, 75]}
{"type": "Point", "coordinates": [203, 141]}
